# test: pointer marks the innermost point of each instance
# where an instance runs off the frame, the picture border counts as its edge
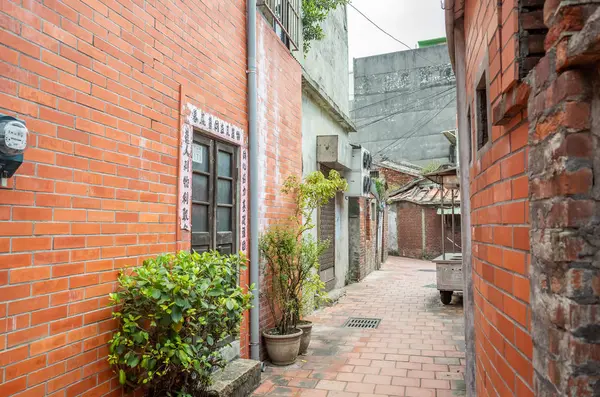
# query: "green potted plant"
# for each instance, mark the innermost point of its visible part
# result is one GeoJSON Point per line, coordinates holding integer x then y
{"type": "Point", "coordinates": [292, 260]}
{"type": "Point", "coordinates": [175, 314]}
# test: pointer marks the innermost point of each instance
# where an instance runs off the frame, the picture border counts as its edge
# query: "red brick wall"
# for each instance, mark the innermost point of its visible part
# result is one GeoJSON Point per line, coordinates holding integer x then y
{"type": "Point", "coordinates": [280, 144]}
{"type": "Point", "coordinates": [564, 169]}
{"type": "Point", "coordinates": [500, 210]}
{"type": "Point", "coordinates": [98, 84]}
{"type": "Point", "coordinates": [394, 179]}
{"type": "Point", "coordinates": [363, 256]}
{"type": "Point", "coordinates": [410, 231]}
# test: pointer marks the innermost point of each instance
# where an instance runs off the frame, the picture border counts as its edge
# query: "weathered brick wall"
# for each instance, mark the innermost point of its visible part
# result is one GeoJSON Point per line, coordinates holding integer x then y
{"type": "Point", "coordinates": [500, 207]}
{"type": "Point", "coordinates": [564, 165]}
{"type": "Point", "coordinates": [99, 84]}
{"type": "Point", "coordinates": [394, 179]}
{"type": "Point", "coordinates": [372, 260]}
{"type": "Point", "coordinates": [410, 230]}
{"type": "Point", "coordinates": [362, 239]}
{"type": "Point", "coordinates": [384, 243]}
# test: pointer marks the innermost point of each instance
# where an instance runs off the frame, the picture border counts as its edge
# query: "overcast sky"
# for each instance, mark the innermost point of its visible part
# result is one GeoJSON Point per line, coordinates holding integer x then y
{"type": "Point", "coordinates": [407, 20]}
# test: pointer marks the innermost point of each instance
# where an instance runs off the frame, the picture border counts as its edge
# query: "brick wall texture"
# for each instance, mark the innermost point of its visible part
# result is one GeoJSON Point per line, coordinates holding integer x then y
{"type": "Point", "coordinates": [500, 209]}
{"type": "Point", "coordinates": [410, 231]}
{"type": "Point", "coordinates": [99, 84]}
{"type": "Point", "coordinates": [564, 166]}
{"type": "Point", "coordinates": [280, 136]}
{"type": "Point", "coordinates": [362, 239]}
{"type": "Point", "coordinates": [394, 178]}
{"type": "Point", "coordinates": [534, 200]}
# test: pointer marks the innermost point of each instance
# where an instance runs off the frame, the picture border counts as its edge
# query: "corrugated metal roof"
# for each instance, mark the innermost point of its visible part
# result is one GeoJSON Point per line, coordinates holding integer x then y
{"type": "Point", "coordinates": [426, 193]}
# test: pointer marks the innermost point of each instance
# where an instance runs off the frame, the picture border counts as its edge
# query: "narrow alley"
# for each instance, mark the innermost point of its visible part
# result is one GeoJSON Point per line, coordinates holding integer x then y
{"type": "Point", "coordinates": [417, 349]}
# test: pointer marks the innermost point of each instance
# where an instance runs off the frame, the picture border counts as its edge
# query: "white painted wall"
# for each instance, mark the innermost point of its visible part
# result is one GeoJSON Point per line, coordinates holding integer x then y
{"type": "Point", "coordinates": [327, 65]}
{"type": "Point", "coordinates": [316, 121]}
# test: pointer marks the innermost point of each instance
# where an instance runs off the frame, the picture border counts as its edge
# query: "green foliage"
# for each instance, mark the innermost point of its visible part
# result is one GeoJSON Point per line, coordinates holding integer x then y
{"type": "Point", "coordinates": [292, 255]}
{"type": "Point", "coordinates": [380, 186]}
{"type": "Point", "coordinates": [175, 313]}
{"type": "Point", "coordinates": [313, 13]}
{"type": "Point", "coordinates": [430, 167]}
{"type": "Point", "coordinates": [315, 191]}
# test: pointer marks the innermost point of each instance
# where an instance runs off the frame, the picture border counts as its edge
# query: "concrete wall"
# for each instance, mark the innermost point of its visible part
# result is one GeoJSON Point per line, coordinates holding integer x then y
{"type": "Point", "coordinates": [327, 61]}
{"type": "Point", "coordinates": [406, 90]}
{"type": "Point", "coordinates": [326, 65]}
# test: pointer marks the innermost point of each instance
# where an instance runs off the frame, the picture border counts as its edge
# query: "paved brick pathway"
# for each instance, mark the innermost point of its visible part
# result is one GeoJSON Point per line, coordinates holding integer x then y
{"type": "Point", "coordinates": [417, 350]}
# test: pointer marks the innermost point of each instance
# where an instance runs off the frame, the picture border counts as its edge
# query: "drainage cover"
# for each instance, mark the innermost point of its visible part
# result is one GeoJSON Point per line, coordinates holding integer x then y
{"type": "Point", "coordinates": [427, 270]}
{"type": "Point", "coordinates": [358, 322]}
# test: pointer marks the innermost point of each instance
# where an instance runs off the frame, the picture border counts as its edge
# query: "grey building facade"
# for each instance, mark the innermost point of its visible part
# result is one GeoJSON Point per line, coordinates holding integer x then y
{"type": "Point", "coordinates": [403, 101]}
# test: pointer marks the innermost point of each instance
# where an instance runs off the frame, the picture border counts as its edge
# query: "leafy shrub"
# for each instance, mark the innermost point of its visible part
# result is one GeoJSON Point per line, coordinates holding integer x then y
{"type": "Point", "coordinates": [176, 312]}
{"type": "Point", "coordinates": [292, 255]}
{"type": "Point", "coordinates": [293, 261]}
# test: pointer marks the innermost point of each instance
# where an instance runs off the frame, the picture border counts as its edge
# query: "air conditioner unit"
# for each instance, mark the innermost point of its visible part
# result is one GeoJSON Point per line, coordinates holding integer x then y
{"type": "Point", "coordinates": [359, 182]}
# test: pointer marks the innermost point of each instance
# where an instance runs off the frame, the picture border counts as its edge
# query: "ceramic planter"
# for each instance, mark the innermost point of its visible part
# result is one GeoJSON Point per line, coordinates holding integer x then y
{"type": "Point", "coordinates": [283, 349]}
{"type": "Point", "coordinates": [306, 327]}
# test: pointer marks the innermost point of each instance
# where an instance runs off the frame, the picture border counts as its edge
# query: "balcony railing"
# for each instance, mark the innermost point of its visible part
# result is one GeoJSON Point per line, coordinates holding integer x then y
{"type": "Point", "coordinates": [286, 16]}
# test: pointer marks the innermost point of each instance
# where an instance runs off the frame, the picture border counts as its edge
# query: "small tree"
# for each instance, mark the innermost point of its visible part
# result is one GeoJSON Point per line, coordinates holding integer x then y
{"type": "Point", "coordinates": [313, 13]}
{"type": "Point", "coordinates": [176, 312]}
{"type": "Point", "coordinates": [292, 255]}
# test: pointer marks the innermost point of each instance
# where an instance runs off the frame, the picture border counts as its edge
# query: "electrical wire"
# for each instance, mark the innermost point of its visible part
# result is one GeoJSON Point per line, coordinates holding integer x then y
{"type": "Point", "coordinates": [404, 110]}
{"type": "Point", "coordinates": [406, 138]}
{"type": "Point", "coordinates": [416, 126]}
{"type": "Point", "coordinates": [388, 34]}
{"type": "Point", "coordinates": [414, 131]}
{"type": "Point", "coordinates": [390, 98]}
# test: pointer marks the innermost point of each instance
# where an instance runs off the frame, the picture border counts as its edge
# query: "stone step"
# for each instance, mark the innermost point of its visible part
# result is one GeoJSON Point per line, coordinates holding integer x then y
{"type": "Point", "coordinates": [238, 379]}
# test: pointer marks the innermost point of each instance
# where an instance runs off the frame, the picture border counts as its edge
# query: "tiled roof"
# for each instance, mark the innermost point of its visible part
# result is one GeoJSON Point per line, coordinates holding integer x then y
{"type": "Point", "coordinates": [424, 192]}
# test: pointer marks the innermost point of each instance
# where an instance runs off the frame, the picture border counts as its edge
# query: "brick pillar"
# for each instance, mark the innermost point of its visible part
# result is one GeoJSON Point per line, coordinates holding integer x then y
{"type": "Point", "coordinates": [564, 162]}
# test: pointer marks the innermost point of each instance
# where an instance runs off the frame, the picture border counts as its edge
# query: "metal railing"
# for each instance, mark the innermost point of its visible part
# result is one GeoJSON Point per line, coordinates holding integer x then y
{"type": "Point", "coordinates": [286, 15]}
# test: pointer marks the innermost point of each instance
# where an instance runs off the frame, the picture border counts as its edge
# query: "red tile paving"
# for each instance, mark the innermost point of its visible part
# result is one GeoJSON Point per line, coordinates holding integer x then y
{"type": "Point", "coordinates": [417, 350]}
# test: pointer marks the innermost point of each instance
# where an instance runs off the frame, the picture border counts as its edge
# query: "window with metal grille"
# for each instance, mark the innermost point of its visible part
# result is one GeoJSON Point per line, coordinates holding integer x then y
{"type": "Point", "coordinates": [469, 132]}
{"type": "Point", "coordinates": [284, 16]}
{"type": "Point", "coordinates": [482, 103]}
{"type": "Point", "coordinates": [214, 196]}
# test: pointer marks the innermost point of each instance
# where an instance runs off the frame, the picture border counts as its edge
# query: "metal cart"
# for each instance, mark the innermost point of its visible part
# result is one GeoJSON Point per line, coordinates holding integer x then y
{"type": "Point", "coordinates": [449, 276]}
{"type": "Point", "coordinates": [448, 265]}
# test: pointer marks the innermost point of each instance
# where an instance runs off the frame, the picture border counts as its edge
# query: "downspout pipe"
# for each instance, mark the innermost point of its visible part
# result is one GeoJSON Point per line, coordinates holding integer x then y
{"type": "Point", "coordinates": [253, 148]}
{"type": "Point", "coordinates": [449, 11]}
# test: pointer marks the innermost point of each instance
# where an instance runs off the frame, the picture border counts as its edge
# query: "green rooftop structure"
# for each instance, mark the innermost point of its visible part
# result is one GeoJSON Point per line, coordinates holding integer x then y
{"type": "Point", "coordinates": [431, 42]}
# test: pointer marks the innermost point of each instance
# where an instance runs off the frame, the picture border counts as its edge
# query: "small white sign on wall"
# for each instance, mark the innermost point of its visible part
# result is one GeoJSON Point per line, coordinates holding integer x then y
{"type": "Point", "coordinates": [197, 153]}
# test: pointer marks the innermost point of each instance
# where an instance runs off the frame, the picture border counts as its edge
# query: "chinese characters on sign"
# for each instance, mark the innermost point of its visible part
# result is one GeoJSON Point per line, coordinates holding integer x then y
{"type": "Point", "coordinates": [243, 199]}
{"type": "Point", "coordinates": [221, 130]}
{"type": "Point", "coordinates": [210, 123]}
{"type": "Point", "coordinates": [185, 187]}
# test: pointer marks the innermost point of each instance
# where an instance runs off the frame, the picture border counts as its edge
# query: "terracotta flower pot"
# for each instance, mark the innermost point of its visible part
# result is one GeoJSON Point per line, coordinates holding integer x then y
{"type": "Point", "coordinates": [283, 349]}
{"type": "Point", "coordinates": [306, 327]}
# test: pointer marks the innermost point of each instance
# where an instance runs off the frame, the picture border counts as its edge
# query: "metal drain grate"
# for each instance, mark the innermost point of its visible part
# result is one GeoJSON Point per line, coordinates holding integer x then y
{"type": "Point", "coordinates": [358, 322]}
{"type": "Point", "coordinates": [427, 270]}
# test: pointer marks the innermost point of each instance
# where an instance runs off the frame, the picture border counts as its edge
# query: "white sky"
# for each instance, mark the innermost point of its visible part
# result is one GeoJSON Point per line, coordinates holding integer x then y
{"type": "Point", "coordinates": [407, 20]}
